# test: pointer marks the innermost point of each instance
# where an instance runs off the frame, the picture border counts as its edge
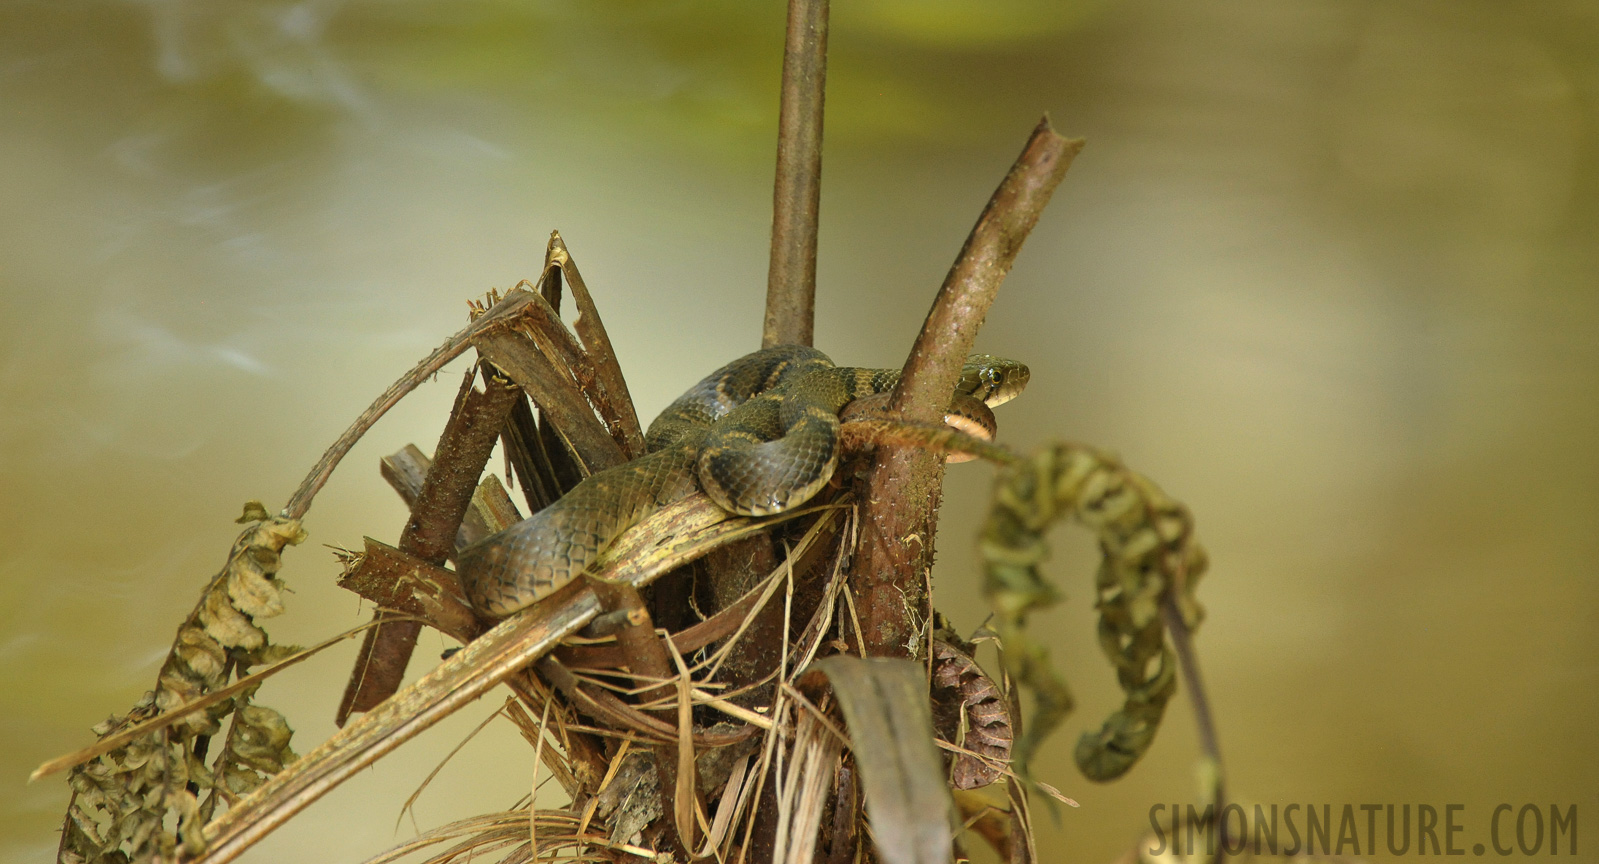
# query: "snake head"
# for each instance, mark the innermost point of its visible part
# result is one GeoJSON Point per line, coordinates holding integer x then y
{"type": "Point", "coordinates": [993, 380]}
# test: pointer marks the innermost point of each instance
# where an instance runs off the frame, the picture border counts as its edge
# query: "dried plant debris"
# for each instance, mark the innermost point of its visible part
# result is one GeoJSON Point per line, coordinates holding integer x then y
{"type": "Point", "coordinates": [971, 714]}
{"type": "Point", "coordinates": [122, 798]}
{"type": "Point", "coordinates": [632, 800]}
{"type": "Point", "coordinates": [1146, 540]}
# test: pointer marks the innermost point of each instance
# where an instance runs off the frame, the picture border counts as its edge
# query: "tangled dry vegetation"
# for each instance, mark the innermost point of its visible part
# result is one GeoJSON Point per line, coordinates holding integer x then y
{"type": "Point", "coordinates": [717, 687]}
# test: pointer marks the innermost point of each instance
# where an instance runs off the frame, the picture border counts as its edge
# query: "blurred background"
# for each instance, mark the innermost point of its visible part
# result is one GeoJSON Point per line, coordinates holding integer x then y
{"type": "Point", "coordinates": [1325, 271]}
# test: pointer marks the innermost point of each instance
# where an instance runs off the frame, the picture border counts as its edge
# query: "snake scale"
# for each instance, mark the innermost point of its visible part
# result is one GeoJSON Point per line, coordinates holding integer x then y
{"type": "Point", "coordinates": [759, 435]}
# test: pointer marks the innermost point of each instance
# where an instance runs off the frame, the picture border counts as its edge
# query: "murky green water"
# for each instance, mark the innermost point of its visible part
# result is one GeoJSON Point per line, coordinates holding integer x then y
{"type": "Point", "coordinates": [1326, 271]}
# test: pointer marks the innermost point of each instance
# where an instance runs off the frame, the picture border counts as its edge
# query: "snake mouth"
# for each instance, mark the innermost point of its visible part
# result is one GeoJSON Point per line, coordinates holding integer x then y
{"type": "Point", "coordinates": [970, 417]}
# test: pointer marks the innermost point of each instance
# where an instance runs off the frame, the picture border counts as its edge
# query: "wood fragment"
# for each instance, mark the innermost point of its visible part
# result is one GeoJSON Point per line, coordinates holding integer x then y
{"type": "Point", "coordinates": [597, 342]}
{"type": "Point", "coordinates": [543, 325]}
{"type": "Point", "coordinates": [430, 534]}
{"type": "Point", "coordinates": [405, 469]}
{"type": "Point", "coordinates": [393, 580]}
{"type": "Point", "coordinates": [846, 816]}
{"type": "Point", "coordinates": [530, 463]}
{"type": "Point", "coordinates": [556, 394]}
{"type": "Point", "coordinates": [491, 507]}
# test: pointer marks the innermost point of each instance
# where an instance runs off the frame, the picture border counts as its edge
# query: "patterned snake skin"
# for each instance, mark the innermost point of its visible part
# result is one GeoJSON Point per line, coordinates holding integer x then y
{"type": "Point", "coordinates": [759, 435]}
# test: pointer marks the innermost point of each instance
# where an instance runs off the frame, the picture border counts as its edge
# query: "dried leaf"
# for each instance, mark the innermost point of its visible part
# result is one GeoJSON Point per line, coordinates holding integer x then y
{"type": "Point", "coordinates": [123, 795]}
{"type": "Point", "coordinates": [891, 734]}
{"type": "Point", "coordinates": [1147, 546]}
{"type": "Point", "coordinates": [969, 711]}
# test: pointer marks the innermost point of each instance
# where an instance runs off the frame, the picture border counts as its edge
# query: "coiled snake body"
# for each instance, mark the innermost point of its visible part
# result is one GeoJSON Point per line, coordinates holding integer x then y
{"type": "Point", "coordinates": [759, 435]}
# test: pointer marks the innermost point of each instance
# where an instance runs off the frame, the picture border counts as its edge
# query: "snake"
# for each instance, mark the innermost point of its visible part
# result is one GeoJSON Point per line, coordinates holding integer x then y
{"type": "Point", "coordinates": [759, 436]}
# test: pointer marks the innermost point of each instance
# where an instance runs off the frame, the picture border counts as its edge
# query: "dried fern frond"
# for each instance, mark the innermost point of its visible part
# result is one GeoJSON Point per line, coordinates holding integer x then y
{"type": "Point", "coordinates": [122, 797]}
{"type": "Point", "coordinates": [1148, 552]}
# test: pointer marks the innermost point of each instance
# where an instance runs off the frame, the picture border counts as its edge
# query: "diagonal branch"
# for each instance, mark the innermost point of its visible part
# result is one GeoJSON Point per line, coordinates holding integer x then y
{"type": "Point", "coordinates": [495, 318]}
{"type": "Point", "coordinates": [950, 330]}
{"type": "Point", "coordinates": [901, 492]}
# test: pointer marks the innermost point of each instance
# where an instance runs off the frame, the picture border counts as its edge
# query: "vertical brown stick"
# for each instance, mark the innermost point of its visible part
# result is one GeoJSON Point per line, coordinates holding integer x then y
{"type": "Point", "coordinates": [901, 492]}
{"type": "Point", "coordinates": [791, 279]}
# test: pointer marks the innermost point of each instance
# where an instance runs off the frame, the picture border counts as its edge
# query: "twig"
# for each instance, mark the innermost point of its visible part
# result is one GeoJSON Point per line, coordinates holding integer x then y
{"type": "Point", "coordinates": [968, 291]}
{"type": "Point", "coordinates": [464, 447]}
{"type": "Point", "coordinates": [496, 317]}
{"type": "Point", "coordinates": [796, 196]}
{"type": "Point", "coordinates": [1204, 722]}
{"type": "Point", "coordinates": [429, 534]}
{"type": "Point", "coordinates": [901, 493]}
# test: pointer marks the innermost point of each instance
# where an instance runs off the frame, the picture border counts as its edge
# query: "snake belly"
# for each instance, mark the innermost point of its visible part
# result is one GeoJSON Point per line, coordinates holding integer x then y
{"type": "Point", "coordinates": [759, 435]}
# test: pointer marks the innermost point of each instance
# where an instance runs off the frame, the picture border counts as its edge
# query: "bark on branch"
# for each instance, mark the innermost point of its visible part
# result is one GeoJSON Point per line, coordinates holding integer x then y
{"type": "Point", "coordinates": [900, 494]}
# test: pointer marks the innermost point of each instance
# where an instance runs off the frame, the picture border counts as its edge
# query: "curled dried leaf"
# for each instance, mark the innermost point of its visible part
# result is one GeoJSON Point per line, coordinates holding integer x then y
{"type": "Point", "coordinates": [1145, 540]}
{"type": "Point", "coordinates": [123, 797]}
{"type": "Point", "coordinates": [970, 712]}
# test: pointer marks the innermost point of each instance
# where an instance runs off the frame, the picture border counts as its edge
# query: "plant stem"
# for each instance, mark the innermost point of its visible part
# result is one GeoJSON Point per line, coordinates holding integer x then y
{"type": "Point", "coordinates": [505, 310]}
{"type": "Point", "coordinates": [973, 281]}
{"type": "Point", "coordinates": [1182, 640]}
{"type": "Point", "coordinates": [796, 197]}
{"type": "Point", "coordinates": [901, 492]}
